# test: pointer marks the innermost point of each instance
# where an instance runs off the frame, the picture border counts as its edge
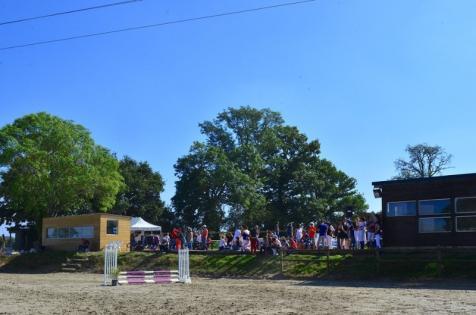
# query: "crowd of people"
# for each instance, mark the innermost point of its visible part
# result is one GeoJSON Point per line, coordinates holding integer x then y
{"type": "Point", "coordinates": [178, 238]}
{"type": "Point", "coordinates": [347, 234]}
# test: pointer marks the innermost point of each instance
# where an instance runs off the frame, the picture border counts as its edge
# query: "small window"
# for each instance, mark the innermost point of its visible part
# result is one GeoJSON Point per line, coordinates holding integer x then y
{"type": "Point", "coordinates": [435, 206]}
{"type": "Point", "coordinates": [51, 233]}
{"type": "Point", "coordinates": [466, 224]}
{"type": "Point", "coordinates": [434, 225]}
{"type": "Point", "coordinates": [467, 204]}
{"type": "Point", "coordinates": [401, 208]}
{"type": "Point", "coordinates": [112, 227]}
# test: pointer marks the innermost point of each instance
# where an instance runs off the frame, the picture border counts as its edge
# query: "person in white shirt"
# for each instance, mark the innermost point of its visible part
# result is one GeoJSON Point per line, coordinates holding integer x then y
{"type": "Point", "coordinates": [275, 245]}
{"type": "Point", "coordinates": [360, 233]}
{"type": "Point", "coordinates": [199, 238]}
{"type": "Point", "coordinates": [138, 238]}
{"type": "Point", "coordinates": [299, 233]}
{"type": "Point", "coordinates": [222, 244]}
{"type": "Point", "coordinates": [237, 234]}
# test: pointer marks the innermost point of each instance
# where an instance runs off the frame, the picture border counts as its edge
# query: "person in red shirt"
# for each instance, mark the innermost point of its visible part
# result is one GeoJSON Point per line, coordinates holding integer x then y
{"type": "Point", "coordinates": [205, 237]}
{"type": "Point", "coordinates": [176, 234]}
{"type": "Point", "coordinates": [311, 230]}
{"type": "Point", "coordinates": [293, 244]}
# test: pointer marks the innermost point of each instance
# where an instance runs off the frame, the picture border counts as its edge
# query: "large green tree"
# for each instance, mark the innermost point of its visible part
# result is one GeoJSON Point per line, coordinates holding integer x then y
{"type": "Point", "coordinates": [252, 168]}
{"type": "Point", "coordinates": [141, 194]}
{"type": "Point", "coordinates": [51, 167]}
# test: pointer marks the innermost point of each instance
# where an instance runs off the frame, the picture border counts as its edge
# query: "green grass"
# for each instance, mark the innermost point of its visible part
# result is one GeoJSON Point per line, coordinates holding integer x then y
{"type": "Point", "coordinates": [361, 266]}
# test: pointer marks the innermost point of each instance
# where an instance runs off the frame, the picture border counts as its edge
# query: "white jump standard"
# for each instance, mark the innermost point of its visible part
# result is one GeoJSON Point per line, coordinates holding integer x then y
{"type": "Point", "coordinates": [184, 266]}
{"type": "Point", "coordinates": [110, 260]}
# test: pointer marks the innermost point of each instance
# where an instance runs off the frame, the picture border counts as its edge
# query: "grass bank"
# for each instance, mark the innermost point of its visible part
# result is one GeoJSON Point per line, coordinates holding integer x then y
{"type": "Point", "coordinates": [405, 265]}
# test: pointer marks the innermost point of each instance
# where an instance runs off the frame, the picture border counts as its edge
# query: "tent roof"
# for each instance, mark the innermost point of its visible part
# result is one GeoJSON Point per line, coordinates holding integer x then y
{"type": "Point", "coordinates": [139, 224]}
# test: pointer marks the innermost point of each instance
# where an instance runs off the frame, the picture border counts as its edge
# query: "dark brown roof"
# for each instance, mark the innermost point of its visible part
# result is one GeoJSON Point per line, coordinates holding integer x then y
{"type": "Point", "coordinates": [458, 177]}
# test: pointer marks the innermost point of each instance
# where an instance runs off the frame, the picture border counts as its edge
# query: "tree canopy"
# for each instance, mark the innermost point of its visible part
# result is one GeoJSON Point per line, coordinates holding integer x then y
{"type": "Point", "coordinates": [252, 168]}
{"type": "Point", "coordinates": [424, 161]}
{"type": "Point", "coordinates": [50, 167]}
{"type": "Point", "coordinates": [141, 194]}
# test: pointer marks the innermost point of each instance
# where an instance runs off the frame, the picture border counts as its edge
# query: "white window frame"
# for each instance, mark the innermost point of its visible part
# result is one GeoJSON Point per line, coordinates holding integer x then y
{"type": "Point", "coordinates": [435, 232]}
{"type": "Point", "coordinates": [396, 216]}
{"type": "Point", "coordinates": [449, 211]}
{"type": "Point", "coordinates": [464, 216]}
{"type": "Point", "coordinates": [456, 203]}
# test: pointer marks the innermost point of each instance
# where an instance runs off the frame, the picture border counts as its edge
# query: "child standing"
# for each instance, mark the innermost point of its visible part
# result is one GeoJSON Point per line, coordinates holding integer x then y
{"type": "Point", "coordinates": [254, 236]}
{"type": "Point", "coordinates": [222, 244]}
{"type": "Point", "coordinates": [245, 234]}
{"type": "Point", "coordinates": [204, 237]}
{"type": "Point", "coordinates": [311, 231]}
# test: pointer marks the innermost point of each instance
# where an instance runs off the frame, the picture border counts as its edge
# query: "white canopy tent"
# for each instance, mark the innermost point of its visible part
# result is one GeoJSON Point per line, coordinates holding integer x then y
{"type": "Point", "coordinates": [139, 224]}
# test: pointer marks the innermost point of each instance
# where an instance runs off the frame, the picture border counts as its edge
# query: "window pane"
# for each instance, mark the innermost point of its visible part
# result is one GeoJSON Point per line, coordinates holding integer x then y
{"type": "Point", "coordinates": [88, 232]}
{"type": "Point", "coordinates": [63, 233]}
{"type": "Point", "coordinates": [466, 204]}
{"type": "Point", "coordinates": [112, 227]}
{"type": "Point", "coordinates": [75, 232]}
{"type": "Point", "coordinates": [403, 208]}
{"type": "Point", "coordinates": [427, 207]}
{"type": "Point", "coordinates": [434, 225]}
{"type": "Point", "coordinates": [82, 232]}
{"type": "Point", "coordinates": [51, 233]}
{"type": "Point", "coordinates": [466, 224]}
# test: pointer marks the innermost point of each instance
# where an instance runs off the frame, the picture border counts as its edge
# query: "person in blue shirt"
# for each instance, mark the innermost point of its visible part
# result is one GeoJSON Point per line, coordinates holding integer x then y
{"type": "Point", "coordinates": [323, 227]}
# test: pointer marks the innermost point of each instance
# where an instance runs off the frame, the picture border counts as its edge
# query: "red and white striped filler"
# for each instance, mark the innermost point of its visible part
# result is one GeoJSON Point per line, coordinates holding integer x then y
{"type": "Point", "coordinates": [151, 277]}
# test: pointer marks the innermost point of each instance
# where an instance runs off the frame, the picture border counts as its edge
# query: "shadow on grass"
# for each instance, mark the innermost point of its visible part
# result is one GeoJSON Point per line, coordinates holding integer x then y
{"type": "Point", "coordinates": [35, 263]}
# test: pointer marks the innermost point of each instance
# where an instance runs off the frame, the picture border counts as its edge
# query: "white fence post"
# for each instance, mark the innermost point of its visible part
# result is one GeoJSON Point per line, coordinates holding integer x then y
{"type": "Point", "coordinates": [184, 266]}
{"type": "Point", "coordinates": [110, 260]}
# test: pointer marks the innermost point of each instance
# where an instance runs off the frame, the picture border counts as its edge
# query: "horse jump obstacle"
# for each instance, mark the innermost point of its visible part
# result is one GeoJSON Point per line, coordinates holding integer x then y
{"type": "Point", "coordinates": [143, 277]}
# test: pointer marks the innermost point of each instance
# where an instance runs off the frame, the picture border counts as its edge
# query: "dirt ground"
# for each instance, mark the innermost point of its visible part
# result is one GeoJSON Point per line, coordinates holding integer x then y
{"type": "Point", "coordinates": [61, 293]}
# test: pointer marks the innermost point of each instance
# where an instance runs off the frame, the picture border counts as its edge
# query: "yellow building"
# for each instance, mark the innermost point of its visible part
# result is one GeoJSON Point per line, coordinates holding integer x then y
{"type": "Point", "coordinates": [67, 233]}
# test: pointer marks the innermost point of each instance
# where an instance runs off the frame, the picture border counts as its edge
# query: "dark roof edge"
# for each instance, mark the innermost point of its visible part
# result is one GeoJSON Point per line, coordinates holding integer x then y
{"type": "Point", "coordinates": [425, 179]}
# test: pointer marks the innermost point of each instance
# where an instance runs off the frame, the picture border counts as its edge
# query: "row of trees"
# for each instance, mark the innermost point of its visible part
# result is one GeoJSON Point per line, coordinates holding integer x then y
{"type": "Point", "coordinates": [251, 168]}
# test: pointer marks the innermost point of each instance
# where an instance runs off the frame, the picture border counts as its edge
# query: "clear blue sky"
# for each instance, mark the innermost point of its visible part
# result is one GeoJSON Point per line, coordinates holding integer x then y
{"type": "Point", "coordinates": [366, 78]}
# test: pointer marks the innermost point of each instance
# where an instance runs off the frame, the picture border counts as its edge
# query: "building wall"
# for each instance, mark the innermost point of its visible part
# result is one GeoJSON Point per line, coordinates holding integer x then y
{"type": "Point", "coordinates": [403, 231]}
{"type": "Point", "coordinates": [97, 221]}
{"type": "Point", "coordinates": [124, 231]}
{"type": "Point", "coordinates": [70, 221]}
